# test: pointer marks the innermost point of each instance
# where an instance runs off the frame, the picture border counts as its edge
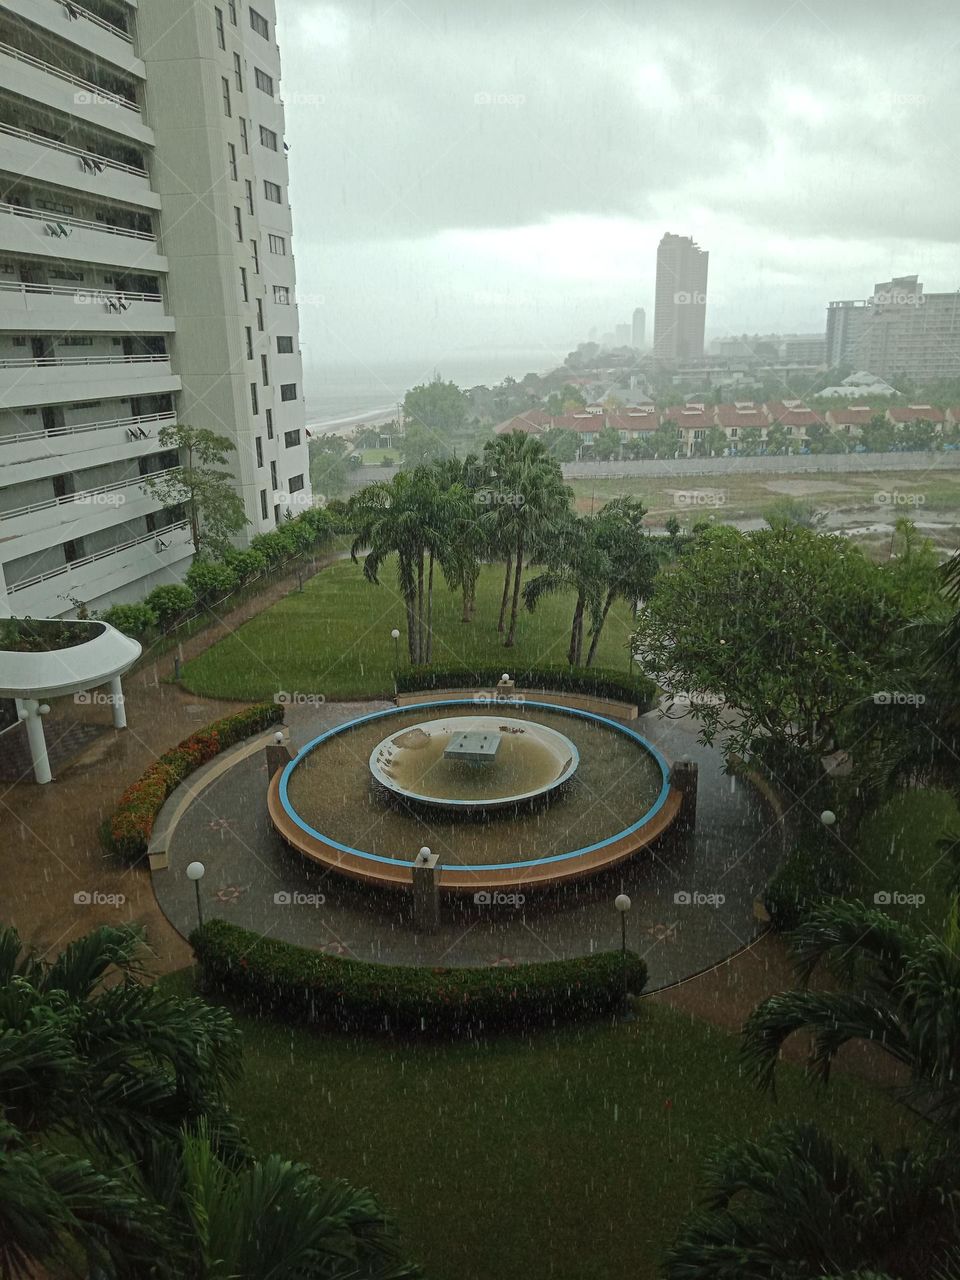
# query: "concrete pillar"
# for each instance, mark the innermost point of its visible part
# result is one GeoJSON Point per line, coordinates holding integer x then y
{"type": "Point", "coordinates": [683, 776]}
{"type": "Point", "coordinates": [31, 717]}
{"type": "Point", "coordinates": [116, 701]}
{"type": "Point", "coordinates": [278, 757]}
{"type": "Point", "coordinates": [426, 893]}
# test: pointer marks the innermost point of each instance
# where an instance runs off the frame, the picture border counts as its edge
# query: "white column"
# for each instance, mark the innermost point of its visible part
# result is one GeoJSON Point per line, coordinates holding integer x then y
{"type": "Point", "coordinates": [116, 700]}
{"type": "Point", "coordinates": [30, 715]}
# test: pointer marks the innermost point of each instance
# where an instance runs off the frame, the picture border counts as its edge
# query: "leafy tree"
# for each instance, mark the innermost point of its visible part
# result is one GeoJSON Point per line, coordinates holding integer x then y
{"type": "Point", "coordinates": [574, 563]}
{"type": "Point", "coordinates": [787, 626]}
{"type": "Point", "coordinates": [567, 400]}
{"type": "Point", "coordinates": [607, 443]}
{"type": "Point", "coordinates": [749, 441]}
{"type": "Point", "coordinates": [421, 444]}
{"type": "Point", "coordinates": [202, 485]}
{"type": "Point", "coordinates": [665, 441]}
{"type": "Point", "coordinates": [716, 442]}
{"type": "Point", "coordinates": [630, 560]}
{"type": "Point", "coordinates": [438, 408]}
{"type": "Point", "coordinates": [561, 443]}
{"type": "Point", "coordinates": [328, 456]}
{"type": "Point", "coordinates": [879, 435]}
{"type": "Point", "coordinates": [788, 512]}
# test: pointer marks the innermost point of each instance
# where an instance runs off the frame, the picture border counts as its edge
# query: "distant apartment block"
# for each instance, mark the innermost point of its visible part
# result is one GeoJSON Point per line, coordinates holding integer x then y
{"type": "Point", "coordinates": [146, 278]}
{"type": "Point", "coordinates": [681, 300]}
{"type": "Point", "coordinates": [898, 331]}
{"type": "Point", "coordinates": [638, 329]}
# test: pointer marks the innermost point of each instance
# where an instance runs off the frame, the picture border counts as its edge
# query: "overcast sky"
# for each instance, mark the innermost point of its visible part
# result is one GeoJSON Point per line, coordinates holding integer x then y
{"type": "Point", "coordinates": [474, 173]}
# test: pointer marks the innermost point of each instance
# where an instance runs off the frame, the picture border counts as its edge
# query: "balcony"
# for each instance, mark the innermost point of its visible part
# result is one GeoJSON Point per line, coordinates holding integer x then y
{"type": "Point", "coordinates": [49, 308]}
{"type": "Point", "coordinates": [49, 235]}
{"type": "Point", "coordinates": [91, 577]}
{"type": "Point", "coordinates": [78, 26]}
{"type": "Point", "coordinates": [48, 160]}
{"type": "Point", "coordinates": [32, 455]}
{"type": "Point", "coordinates": [31, 77]}
{"type": "Point", "coordinates": [31, 382]}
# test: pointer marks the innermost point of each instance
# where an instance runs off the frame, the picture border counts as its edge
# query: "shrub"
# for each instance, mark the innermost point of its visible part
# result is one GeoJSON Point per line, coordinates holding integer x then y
{"type": "Point", "coordinates": [210, 581]}
{"type": "Point", "coordinates": [813, 871]}
{"type": "Point", "coordinates": [272, 546]}
{"type": "Point", "coordinates": [246, 564]}
{"type": "Point", "coordinates": [591, 681]}
{"type": "Point", "coordinates": [131, 826]}
{"type": "Point", "coordinates": [305, 985]}
{"type": "Point", "coordinates": [131, 619]}
{"type": "Point", "coordinates": [170, 602]}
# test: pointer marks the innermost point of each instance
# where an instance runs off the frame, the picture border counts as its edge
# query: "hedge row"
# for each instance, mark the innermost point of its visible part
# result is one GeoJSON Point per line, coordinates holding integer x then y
{"type": "Point", "coordinates": [815, 869]}
{"type": "Point", "coordinates": [594, 682]}
{"type": "Point", "coordinates": [303, 985]}
{"type": "Point", "coordinates": [130, 828]}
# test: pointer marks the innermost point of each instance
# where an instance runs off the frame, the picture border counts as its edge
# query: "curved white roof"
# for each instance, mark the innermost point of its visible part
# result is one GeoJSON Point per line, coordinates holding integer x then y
{"type": "Point", "coordinates": [106, 654]}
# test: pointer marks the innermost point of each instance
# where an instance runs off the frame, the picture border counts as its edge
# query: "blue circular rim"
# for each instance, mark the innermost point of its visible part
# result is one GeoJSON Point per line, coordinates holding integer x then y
{"type": "Point", "coordinates": [484, 866]}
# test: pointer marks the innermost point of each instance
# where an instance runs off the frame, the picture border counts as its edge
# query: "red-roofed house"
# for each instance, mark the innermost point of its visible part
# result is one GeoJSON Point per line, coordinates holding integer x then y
{"type": "Point", "coordinates": [693, 421]}
{"type": "Point", "coordinates": [916, 413]}
{"type": "Point", "coordinates": [794, 416]}
{"type": "Point", "coordinates": [532, 423]}
{"type": "Point", "coordinates": [851, 419]}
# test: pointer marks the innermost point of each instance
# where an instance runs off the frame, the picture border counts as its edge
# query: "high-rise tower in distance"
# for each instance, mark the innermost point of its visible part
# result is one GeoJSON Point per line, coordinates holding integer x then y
{"type": "Point", "coordinates": [681, 299]}
{"type": "Point", "coordinates": [639, 329]}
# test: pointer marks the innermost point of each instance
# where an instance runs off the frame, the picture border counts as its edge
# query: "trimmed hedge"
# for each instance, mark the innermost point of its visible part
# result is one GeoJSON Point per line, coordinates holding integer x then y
{"type": "Point", "coordinates": [813, 872]}
{"type": "Point", "coordinates": [304, 985]}
{"type": "Point", "coordinates": [594, 682]}
{"type": "Point", "coordinates": [131, 826]}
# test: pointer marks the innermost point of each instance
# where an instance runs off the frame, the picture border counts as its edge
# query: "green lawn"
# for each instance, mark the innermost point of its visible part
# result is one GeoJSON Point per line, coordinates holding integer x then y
{"type": "Point", "coordinates": [551, 1155]}
{"type": "Point", "coordinates": [333, 638]}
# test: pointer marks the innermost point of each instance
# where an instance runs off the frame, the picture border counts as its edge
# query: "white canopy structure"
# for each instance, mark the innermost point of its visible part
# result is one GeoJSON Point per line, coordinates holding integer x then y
{"type": "Point", "coordinates": [101, 656]}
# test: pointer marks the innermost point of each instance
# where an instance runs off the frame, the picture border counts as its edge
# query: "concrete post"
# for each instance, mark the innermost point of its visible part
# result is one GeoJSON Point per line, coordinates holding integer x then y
{"type": "Point", "coordinates": [116, 699]}
{"type": "Point", "coordinates": [426, 894]}
{"type": "Point", "coordinates": [30, 715]}
{"type": "Point", "coordinates": [683, 776]}
{"type": "Point", "coordinates": [278, 757]}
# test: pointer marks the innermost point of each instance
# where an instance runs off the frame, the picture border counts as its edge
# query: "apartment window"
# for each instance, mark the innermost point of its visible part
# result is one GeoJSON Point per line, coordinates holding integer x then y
{"type": "Point", "coordinates": [249, 186]}
{"type": "Point", "coordinates": [255, 253]}
{"type": "Point", "coordinates": [272, 192]}
{"type": "Point", "coordinates": [260, 314]}
{"type": "Point", "coordinates": [273, 476]}
{"type": "Point", "coordinates": [269, 416]}
{"type": "Point", "coordinates": [265, 371]}
{"type": "Point", "coordinates": [295, 484]}
{"type": "Point", "coordinates": [73, 550]}
{"type": "Point", "coordinates": [243, 284]}
{"type": "Point", "coordinates": [277, 245]}
{"type": "Point", "coordinates": [238, 222]}
{"type": "Point", "coordinates": [281, 295]}
{"type": "Point", "coordinates": [268, 138]}
{"type": "Point", "coordinates": [238, 72]}
{"type": "Point", "coordinates": [259, 443]}
{"type": "Point", "coordinates": [232, 160]}
{"type": "Point", "coordinates": [254, 401]}
{"type": "Point", "coordinates": [263, 504]}
{"type": "Point", "coordinates": [284, 346]}
{"type": "Point", "coordinates": [288, 391]}
{"type": "Point", "coordinates": [225, 86]}
{"type": "Point", "coordinates": [221, 38]}
{"type": "Point", "coordinates": [291, 439]}
{"type": "Point", "coordinates": [232, 8]}
{"type": "Point", "coordinates": [260, 25]}
{"type": "Point", "coordinates": [248, 333]}
{"type": "Point", "coordinates": [244, 140]}
{"type": "Point", "coordinates": [264, 81]}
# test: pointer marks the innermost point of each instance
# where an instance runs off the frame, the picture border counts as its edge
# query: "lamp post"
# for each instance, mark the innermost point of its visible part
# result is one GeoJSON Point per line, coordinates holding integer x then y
{"type": "Point", "coordinates": [623, 904]}
{"type": "Point", "coordinates": [395, 636]}
{"type": "Point", "coordinates": [195, 872]}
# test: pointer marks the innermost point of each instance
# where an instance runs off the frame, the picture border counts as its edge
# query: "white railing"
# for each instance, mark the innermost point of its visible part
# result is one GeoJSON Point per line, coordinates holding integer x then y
{"type": "Point", "coordinates": [95, 90]}
{"type": "Point", "coordinates": [80, 295]}
{"type": "Point", "coordinates": [56, 222]}
{"type": "Point", "coordinates": [44, 362]}
{"type": "Point", "coordinates": [79, 428]}
{"type": "Point", "coordinates": [73, 10]}
{"type": "Point", "coordinates": [81, 498]}
{"type": "Point", "coordinates": [98, 555]}
{"type": "Point", "coordinates": [13, 132]}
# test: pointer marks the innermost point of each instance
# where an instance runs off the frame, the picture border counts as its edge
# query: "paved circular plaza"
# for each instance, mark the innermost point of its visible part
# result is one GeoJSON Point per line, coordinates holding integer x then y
{"type": "Point", "coordinates": [694, 899]}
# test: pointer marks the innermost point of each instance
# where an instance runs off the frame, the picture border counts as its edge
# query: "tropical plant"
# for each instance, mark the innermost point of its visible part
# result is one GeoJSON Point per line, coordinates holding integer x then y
{"type": "Point", "coordinates": [629, 557]}
{"type": "Point", "coordinates": [574, 563]}
{"type": "Point", "coordinates": [202, 485]}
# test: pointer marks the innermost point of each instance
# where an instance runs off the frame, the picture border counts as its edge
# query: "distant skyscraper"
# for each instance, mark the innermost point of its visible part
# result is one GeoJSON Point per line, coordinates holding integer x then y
{"type": "Point", "coordinates": [681, 299]}
{"type": "Point", "coordinates": [639, 328]}
{"type": "Point", "coordinates": [621, 335]}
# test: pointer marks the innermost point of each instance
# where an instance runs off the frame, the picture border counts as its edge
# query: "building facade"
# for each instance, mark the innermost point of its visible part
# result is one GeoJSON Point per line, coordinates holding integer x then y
{"type": "Point", "coordinates": [681, 299]}
{"type": "Point", "coordinates": [898, 331]}
{"type": "Point", "coordinates": [638, 329]}
{"type": "Point", "coordinates": [146, 279]}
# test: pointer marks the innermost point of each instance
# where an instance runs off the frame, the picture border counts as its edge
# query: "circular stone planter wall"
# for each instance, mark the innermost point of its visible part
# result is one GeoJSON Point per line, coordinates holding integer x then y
{"type": "Point", "coordinates": [391, 870]}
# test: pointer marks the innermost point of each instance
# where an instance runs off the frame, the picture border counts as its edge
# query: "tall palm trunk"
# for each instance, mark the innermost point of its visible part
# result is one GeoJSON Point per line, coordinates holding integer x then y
{"type": "Point", "coordinates": [595, 640]}
{"type": "Point", "coordinates": [420, 604]}
{"type": "Point", "coordinates": [506, 591]}
{"type": "Point", "coordinates": [429, 656]}
{"type": "Point", "coordinates": [576, 633]}
{"type": "Point", "coordinates": [410, 609]}
{"type": "Point", "coordinates": [517, 579]}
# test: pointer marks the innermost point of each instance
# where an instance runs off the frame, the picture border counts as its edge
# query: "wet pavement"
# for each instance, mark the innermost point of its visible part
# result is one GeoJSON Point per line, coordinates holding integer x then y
{"type": "Point", "coordinates": [694, 900]}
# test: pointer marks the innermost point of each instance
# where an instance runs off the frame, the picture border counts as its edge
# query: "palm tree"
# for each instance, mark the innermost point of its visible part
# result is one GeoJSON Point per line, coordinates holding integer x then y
{"type": "Point", "coordinates": [630, 558]}
{"type": "Point", "coordinates": [795, 1207]}
{"type": "Point", "coordinates": [574, 563]}
{"type": "Point", "coordinates": [906, 1000]}
{"type": "Point", "coordinates": [387, 520]}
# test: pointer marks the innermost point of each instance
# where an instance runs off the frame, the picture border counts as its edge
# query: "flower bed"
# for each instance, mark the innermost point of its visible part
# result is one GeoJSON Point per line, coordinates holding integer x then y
{"type": "Point", "coordinates": [308, 986]}
{"type": "Point", "coordinates": [131, 826]}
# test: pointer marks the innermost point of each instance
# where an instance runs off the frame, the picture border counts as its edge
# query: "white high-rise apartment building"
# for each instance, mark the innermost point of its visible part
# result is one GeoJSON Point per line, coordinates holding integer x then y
{"type": "Point", "coordinates": [146, 278]}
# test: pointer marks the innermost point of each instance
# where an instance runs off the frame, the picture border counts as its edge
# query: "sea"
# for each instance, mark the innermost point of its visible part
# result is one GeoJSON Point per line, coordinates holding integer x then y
{"type": "Point", "coordinates": [342, 396]}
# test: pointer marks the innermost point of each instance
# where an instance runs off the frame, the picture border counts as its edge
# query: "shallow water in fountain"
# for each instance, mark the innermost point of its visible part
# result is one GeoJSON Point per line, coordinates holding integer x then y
{"type": "Point", "coordinates": [616, 783]}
